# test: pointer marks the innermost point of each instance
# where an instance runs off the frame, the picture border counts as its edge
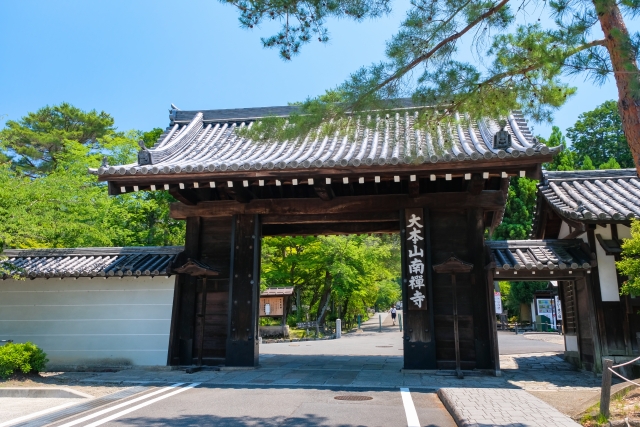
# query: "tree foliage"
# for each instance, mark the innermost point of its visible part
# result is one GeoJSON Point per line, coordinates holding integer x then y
{"type": "Point", "coordinates": [40, 142]}
{"type": "Point", "coordinates": [566, 159]}
{"type": "Point", "coordinates": [629, 265]}
{"type": "Point", "coordinates": [334, 274]}
{"type": "Point", "coordinates": [49, 200]}
{"type": "Point", "coordinates": [518, 214]}
{"type": "Point", "coordinates": [598, 134]}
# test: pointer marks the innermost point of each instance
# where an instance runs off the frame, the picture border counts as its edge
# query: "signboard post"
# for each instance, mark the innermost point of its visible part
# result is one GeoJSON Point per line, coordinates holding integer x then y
{"type": "Point", "coordinates": [415, 260]}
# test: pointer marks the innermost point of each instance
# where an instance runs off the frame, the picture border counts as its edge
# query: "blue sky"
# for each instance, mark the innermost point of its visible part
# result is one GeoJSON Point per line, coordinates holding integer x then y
{"type": "Point", "coordinates": [133, 58]}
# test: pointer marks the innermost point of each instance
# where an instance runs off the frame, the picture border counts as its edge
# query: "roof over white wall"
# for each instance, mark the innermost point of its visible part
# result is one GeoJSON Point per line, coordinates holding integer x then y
{"type": "Point", "coordinates": [93, 262]}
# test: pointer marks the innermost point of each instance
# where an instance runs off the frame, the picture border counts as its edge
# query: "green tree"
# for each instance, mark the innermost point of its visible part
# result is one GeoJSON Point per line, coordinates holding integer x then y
{"type": "Point", "coordinates": [629, 265]}
{"type": "Point", "coordinates": [56, 203]}
{"type": "Point", "coordinates": [599, 135]}
{"type": "Point", "coordinates": [587, 164]}
{"type": "Point", "coordinates": [566, 159]}
{"type": "Point", "coordinates": [519, 65]}
{"type": "Point", "coordinates": [150, 138]}
{"type": "Point", "coordinates": [349, 273]}
{"type": "Point", "coordinates": [36, 143]}
{"type": "Point", "coordinates": [611, 164]}
{"type": "Point", "coordinates": [518, 214]}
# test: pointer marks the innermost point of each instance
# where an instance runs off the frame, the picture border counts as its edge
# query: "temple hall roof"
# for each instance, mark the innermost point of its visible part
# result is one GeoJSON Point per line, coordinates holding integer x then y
{"type": "Point", "coordinates": [93, 262]}
{"type": "Point", "coordinates": [592, 196]}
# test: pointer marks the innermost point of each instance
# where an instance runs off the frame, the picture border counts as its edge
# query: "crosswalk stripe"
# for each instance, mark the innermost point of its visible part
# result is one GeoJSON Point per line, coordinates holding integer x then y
{"type": "Point", "coordinates": [142, 405]}
{"type": "Point", "coordinates": [409, 408]}
{"type": "Point", "coordinates": [121, 405]}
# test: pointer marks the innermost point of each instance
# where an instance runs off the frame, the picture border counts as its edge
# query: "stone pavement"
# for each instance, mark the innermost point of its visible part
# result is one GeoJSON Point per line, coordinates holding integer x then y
{"type": "Point", "coordinates": [474, 407]}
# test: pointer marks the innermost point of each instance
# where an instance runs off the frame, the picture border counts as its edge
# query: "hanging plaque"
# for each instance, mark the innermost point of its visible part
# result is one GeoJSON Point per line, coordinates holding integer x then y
{"type": "Point", "coordinates": [415, 261]}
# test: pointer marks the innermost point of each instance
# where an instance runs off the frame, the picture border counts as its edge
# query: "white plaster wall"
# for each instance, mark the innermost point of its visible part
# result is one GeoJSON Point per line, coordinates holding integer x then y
{"type": "Point", "coordinates": [90, 321]}
{"type": "Point", "coordinates": [624, 232]}
{"type": "Point", "coordinates": [564, 230]}
{"type": "Point", "coordinates": [607, 268]}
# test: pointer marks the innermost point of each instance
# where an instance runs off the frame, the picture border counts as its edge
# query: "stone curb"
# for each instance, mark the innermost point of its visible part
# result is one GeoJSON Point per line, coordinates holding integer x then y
{"type": "Point", "coordinates": [340, 387]}
{"type": "Point", "coordinates": [40, 392]}
{"type": "Point", "coordinates": [451, 408]}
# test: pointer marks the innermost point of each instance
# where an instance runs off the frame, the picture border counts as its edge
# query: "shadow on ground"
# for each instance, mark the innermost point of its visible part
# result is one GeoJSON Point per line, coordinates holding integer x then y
{"type": "Point", "coordinates": [211, 420]}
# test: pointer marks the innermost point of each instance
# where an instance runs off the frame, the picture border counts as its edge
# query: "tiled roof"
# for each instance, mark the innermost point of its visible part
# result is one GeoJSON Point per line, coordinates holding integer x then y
{"type": "Point", "coordinates": [540, 254]}
{"type": "Point", "coordinates": [206, 141]}
{"type": "Point", "coordinates": [598, 195]}
{"type": "Point", "coordinates": [273, 292]}
{"type": "Point", "coordinates": [93, 262]}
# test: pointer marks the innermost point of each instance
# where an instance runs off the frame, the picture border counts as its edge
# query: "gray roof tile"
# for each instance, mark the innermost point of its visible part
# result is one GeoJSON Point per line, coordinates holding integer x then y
{"type": "Point", "coordinates": [598, 195]}
{"type": "Point", "coordinates": [539, 255]}
{"type": "Point", "coordinates": [206, 141]}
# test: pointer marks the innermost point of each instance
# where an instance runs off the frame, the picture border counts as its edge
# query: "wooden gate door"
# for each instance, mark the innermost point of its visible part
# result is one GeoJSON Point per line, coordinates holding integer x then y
{"type": "Point", "coordinates": [211, 321]}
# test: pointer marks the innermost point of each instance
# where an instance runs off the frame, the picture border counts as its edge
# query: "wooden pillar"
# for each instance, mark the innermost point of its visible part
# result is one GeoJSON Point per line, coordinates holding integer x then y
{"type": "Point", "coordinates": [417, 294]}
{"type": "Point", "coordinates": [181, 337]}
{"type": "Point", "coordinates": [244, 292]}
{"type": "Point", "coordinates": [482, 291]}
{"type": "Point", "coordinates": [493, 327]}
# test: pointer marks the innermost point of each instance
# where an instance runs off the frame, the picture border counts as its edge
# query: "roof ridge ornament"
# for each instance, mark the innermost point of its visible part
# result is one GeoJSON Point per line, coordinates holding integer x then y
{"type": "Point", "coordinates": [502, 138]}
{"type": "Point", "coordinates": [144, 156]}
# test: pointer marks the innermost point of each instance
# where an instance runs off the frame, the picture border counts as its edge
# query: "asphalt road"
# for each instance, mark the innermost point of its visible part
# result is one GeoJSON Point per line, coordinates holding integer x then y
{"type": "Point", "coordinates": [222, 407]}
{"type": "Point", "coordinates": [510, 343]}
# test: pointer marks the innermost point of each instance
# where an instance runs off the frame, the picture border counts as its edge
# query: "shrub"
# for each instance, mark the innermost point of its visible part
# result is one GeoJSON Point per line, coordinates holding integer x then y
{"type": "Point", "coordinates": [24, 358]}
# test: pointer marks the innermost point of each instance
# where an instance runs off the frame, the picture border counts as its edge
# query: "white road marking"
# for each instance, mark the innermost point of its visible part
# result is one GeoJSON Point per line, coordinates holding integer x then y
{"type": "Point", "coordinates": [142, 405]}
{"type": "Point", "coordinates": [121, 405]}
{"type": "Point", "coordinates": [37, 414]}
{"type": "Point", "coordinates": [409, 409]}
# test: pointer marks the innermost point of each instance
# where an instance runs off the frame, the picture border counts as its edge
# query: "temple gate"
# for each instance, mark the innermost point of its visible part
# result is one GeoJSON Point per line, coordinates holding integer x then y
{"type": "Point", "coordinates": [441, 189]}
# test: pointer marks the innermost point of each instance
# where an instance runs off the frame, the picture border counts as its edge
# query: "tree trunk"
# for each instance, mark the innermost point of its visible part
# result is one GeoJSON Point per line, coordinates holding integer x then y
{"type": "Point", "coordinates": [625, 69]}
{"type": "Point", "coordinates": [326, 295]}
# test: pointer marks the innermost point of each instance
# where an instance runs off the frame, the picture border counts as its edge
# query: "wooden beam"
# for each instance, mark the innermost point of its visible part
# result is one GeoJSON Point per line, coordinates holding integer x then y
{"type": "Point", "coordinates": [487, 200]}
{"type": "Point", "coordinates": [324, 191]}
{"type": "Point", "coordinates": [330, 228]}
{"type": "Point", "coordinates": [575, 234]}
{"type": "Point", "coordinates": [238, 193]}
{"type": "Point", "coordinates": [414, 189]}
{"type": "Point", "coordinates": [186, 196]}
{"type": "Point", "coordinates": [328, 218]}
{"type": "Point", "coordinates": [476, 184]}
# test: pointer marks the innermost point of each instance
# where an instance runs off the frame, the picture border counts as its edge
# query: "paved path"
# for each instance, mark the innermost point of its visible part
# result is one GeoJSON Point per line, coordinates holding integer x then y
{"type": "Point", "coordinates": [473, 407]}
{"type": "Point", "coordinates": [511, 343]}
{"type": "Point", "coordinates": [223, 407]}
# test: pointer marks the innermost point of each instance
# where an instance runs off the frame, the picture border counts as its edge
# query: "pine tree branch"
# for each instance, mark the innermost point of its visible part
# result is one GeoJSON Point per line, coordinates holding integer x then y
{"type": "Point", "coordinates": [523, 71]}
{"type": "Point", "coordinates": [404, 70]}
{"type": "Point", "coordinates": [533, 67]}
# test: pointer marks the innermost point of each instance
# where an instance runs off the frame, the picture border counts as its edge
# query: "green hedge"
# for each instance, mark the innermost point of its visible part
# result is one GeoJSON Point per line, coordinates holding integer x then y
{"type": "Point", "coordinates": [24, 358]}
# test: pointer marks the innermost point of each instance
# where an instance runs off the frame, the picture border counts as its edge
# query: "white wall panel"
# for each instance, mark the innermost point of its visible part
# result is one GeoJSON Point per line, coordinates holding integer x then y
{"type": "Point", "coordinates": [90, 321]}
{"type": "Point", "coordinates": [607, 268]}
{"type": "Point", "coordinates": [624, 232]}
